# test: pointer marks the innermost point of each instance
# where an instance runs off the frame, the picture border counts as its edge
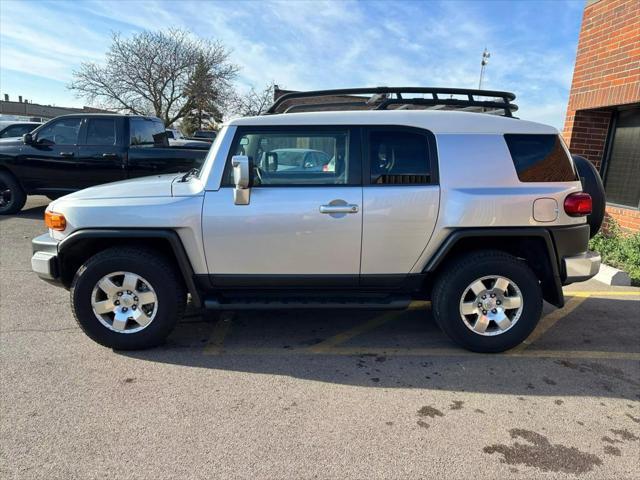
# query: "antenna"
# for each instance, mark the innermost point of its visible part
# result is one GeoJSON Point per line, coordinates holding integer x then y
{"type": "Point", "coordinates": [483, 63]}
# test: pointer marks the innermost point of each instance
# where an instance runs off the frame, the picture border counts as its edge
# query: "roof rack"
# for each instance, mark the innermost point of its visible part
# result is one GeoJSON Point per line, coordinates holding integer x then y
{"type": "Point", "coordinates": [394, 98]}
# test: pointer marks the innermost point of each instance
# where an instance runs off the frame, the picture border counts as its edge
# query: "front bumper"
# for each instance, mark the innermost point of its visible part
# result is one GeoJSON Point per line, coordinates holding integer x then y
{"type": "Point", "coordinates": [44, 261]}
{"type": "Point", "coordinates": [579, 268]}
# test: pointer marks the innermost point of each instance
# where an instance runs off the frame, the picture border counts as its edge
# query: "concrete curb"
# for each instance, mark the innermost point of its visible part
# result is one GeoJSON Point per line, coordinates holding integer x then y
{"type": "Point", "coordinates": [613, 276]}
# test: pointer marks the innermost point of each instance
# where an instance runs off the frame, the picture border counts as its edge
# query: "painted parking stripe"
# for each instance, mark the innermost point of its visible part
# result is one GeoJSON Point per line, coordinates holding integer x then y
{"type": "Point", "coordinates": [215, 345]}
{"type": "Point", "coordinates": [548, 322]}
{"type": "Point", "coordinates": [433, 352]}
{"type": "Point", "coordinates": [603, 293]}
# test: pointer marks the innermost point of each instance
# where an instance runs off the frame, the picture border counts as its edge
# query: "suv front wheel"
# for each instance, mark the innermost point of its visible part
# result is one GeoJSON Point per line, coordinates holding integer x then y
{"type": "Point", "coordinates": [487, 301]}
{"type": "Point", "coordinates": [127, 298]}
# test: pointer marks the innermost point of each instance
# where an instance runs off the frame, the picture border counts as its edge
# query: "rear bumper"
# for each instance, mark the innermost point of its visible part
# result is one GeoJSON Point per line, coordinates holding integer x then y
{"type": "Point", "coordinates": [581, 267]}
{"type": "Point", "coordinates": [44, 261]}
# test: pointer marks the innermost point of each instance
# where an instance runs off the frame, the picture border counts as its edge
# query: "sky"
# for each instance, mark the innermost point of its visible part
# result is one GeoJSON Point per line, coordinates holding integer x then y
{"type": "Point", "coordinates": [302, 45]}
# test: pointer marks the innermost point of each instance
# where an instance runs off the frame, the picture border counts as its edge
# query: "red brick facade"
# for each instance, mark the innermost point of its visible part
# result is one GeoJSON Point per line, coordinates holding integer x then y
{"type": "Point", "coordinates": [606, 75]}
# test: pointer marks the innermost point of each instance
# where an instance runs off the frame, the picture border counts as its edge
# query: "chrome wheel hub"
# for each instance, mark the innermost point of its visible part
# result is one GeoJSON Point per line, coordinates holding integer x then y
{"type": "Point", "coordinates": [491, 305]}
{"type": "Point", "coordinates": [124, 302]}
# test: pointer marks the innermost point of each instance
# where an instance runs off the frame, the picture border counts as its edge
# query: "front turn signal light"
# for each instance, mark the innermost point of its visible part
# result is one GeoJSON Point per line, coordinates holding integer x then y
{"type": "Point", "coordinates": [55, 221]}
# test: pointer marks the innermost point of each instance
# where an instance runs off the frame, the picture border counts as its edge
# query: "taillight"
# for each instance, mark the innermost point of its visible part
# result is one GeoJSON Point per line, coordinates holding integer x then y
{"type": "Point", "coordinates": [578, 204]}
{"type": "Point", "coordinates": [55, 221]}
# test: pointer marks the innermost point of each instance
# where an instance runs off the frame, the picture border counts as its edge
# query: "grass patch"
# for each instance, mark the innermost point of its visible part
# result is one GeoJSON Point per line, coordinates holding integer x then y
{"type": "Point", "coordinates": [619, 250]}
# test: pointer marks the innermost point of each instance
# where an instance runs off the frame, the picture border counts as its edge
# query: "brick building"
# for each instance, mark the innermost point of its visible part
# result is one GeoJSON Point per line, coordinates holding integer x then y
{"type": "Point", "coordinates": [603, 115]}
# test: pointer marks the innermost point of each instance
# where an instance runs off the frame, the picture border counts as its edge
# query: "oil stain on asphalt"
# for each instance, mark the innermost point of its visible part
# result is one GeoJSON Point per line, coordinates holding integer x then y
{"type": "Point", "coordinates": [431, 412]}
{"type": "Point", "coordinates": [542, 454]}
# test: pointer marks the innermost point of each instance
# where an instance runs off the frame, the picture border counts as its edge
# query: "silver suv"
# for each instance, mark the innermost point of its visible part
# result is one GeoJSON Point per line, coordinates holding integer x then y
{"type": "Point", "coordinates": [481, 213]}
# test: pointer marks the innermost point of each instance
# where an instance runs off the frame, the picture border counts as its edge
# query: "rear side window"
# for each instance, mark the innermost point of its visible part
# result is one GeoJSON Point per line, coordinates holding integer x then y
{"type": "Point", "coordinates": [145, 131]}
{"type": "Point", "coordinates": [540, 158]}
{"type": "Point", "coordinates": [399, 157]}
{"type": "Point", "coordinates": [101, 131]}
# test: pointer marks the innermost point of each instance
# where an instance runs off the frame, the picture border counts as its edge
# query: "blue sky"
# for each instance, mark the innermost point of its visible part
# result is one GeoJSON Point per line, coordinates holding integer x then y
{"type": "Point", "coordinates": [313, 44]}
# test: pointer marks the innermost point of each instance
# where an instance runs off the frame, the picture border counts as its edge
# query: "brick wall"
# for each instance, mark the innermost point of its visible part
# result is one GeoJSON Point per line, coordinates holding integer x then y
{"type": "Point", "coordinates": [606, 74]}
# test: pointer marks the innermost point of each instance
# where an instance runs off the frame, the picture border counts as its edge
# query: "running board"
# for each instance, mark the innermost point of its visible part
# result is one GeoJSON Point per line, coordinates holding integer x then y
{"type": "Point", "coordinates": [393, 303]}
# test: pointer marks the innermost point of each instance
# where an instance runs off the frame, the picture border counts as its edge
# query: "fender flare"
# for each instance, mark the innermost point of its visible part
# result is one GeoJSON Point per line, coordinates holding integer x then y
{"type": "Point", "coordinates": [168, 235]}
{"type": "Point", "coordinates": [554, 294]}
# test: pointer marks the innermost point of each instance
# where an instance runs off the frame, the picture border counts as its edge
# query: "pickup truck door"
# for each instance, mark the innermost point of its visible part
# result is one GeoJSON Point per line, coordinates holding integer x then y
{"type": "Point", "coordinates": [302, 226]}
{"type": "Point", "coordinates": [101, 153]}
{"type": "Point", "coordinates": [48, 164]}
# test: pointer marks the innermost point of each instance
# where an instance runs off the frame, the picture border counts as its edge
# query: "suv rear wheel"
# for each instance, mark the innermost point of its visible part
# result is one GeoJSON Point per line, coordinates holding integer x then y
{"type": "Point", "coordinates": [487, 301]}
{"type": "Point", "coordinates": [127, 298]}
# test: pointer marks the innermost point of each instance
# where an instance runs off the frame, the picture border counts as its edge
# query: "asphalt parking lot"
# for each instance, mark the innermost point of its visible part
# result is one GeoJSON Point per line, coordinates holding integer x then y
{"type": "Point", "coordinates": [313, 394]}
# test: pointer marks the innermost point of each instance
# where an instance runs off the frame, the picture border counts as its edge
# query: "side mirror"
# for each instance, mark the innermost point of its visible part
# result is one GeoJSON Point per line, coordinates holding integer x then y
{"type": "Point", "coordinates": [27, 139]}
{"type": "Point", "coordinates": [241, 192]}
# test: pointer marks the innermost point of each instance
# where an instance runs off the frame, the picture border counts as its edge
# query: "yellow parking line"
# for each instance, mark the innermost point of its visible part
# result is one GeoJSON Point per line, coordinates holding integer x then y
{"type": "Point", "coordinates": [331, 342]}
{"type": "Point", "coordinates": [547, 322]}
{"type": "Point", "coordinates": [434, 352]}
{"type": "Point", "coordinates": [215, 345]}
{"type": "Point", "coordinates": [597, 293]}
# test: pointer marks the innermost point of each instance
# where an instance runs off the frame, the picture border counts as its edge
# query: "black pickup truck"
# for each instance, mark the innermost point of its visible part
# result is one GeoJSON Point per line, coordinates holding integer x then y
{"type": "Point", "coordinates": [73, 152]}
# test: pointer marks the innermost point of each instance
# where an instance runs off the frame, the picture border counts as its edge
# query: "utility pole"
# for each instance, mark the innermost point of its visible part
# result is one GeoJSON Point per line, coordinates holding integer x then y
{"type": "Point", "coordinates": [485, 60]}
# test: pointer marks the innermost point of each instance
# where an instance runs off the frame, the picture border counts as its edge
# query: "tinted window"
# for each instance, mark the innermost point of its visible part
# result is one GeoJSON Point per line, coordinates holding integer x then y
{"type": "Point", "coordinates": [60, 132]}
{"type": "Point", "coordinates": [146, 131]}
{"type": "Point", "coordinates": [540, 158]}
{"type": "Point", "coordinates": [399, 157]}
{"type": "Point", "coordinates": [17, 130]}
{"type": "Point", "coordinates": [622, 177]}
{"type": "Point", "coordinates": [101, 131]}
{"type": "Point", "coordinates": [292, 158]}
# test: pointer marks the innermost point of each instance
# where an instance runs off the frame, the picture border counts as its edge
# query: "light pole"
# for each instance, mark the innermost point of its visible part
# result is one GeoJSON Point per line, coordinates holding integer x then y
{"type": "Point", "coordinates": [485, 60]}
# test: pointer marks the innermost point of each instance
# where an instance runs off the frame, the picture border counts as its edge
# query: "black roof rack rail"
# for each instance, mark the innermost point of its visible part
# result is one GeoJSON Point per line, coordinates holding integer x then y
{"type": "Point", "coordinates": [381, 98]}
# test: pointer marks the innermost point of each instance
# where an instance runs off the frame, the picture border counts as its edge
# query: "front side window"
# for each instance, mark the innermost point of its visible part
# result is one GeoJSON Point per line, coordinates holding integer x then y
{"type": "Point", "coordinates": [294, 158]}
{"type": "Point", "coordinates": [399, 157]}
{"type": "Point", "coordinates": [60, 132]}
{"type": "Point", "coordinates": [146, 132]}
{"type": "Point", "coordinates": [540, 158]}
{"type": "Point", "coordinates": [101, 131]}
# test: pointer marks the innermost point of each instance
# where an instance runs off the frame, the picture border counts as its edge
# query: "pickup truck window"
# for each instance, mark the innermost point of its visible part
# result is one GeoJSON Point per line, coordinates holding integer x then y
{"type": "Point", "coordinates": [60, 132]}
{"type": "Point", "coordinates": [294, 158]}
{"type": "Point", "coordinates": [17, 130]}
{"type": "Point", "coordinates": [146, 132]}
{"type": "Point", "coordinates": [399, 158]}
{"type": "Point", "coordinates": [101, 131]}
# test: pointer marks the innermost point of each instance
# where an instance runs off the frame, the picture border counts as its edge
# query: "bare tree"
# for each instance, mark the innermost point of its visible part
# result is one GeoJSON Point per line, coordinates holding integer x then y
{"type": "Point", "coordinates": [152, 73]}
{"type": "Point", "coordinates": [253, 103]}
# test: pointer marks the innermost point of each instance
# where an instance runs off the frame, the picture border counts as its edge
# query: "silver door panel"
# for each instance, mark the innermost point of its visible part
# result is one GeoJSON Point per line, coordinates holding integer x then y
{"type": "Point", "coordinates": [397, 224]}
{"type": "Point", "coordinates": [282, 232]}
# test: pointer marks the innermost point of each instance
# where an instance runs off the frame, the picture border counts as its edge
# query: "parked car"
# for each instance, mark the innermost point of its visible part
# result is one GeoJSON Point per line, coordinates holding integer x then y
{"type": "Point", "coordinates": [73, 152]}
{"type": "Point", "coordinates": [12, 129]}
{"type": "Point", "coordinates": [207, 135]}
{"type": "Point", "coordinates": [484, 215]}
{"type": "Point", "coordinates": [177, 139]}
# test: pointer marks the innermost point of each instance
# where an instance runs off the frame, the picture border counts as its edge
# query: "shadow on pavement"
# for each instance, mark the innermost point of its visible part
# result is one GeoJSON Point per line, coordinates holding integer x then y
{"type": "Point", "coordinates": [278, 343]}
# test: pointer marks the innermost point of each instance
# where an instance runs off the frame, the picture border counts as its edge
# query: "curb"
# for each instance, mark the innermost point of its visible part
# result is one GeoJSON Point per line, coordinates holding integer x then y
{"type": "Point", "coordinates": [613, 276]}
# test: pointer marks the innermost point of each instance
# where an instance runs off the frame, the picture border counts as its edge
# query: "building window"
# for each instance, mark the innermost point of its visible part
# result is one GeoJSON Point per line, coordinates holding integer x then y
{"type": "Point", "coordinates": [622, 167]}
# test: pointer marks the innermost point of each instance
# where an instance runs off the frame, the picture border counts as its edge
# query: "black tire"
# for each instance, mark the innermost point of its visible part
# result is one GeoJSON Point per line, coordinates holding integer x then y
{"type": "Point", "coordinates": [160, 275]}
{"type": "Point", "coordinates": [592, 184]}
{"type": "Point", "coordinates": [460, 274]}
{"type": "Point", "coordinates": [12, 196]}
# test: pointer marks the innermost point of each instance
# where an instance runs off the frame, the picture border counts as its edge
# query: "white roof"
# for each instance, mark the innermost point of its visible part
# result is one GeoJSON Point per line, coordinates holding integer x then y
{"type": "Point", "coordinates": [437, 121]}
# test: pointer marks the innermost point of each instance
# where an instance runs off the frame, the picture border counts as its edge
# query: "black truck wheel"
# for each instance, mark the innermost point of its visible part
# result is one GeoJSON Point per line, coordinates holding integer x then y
{"type": "Point", "coordinates": [487, 301]}
{"type": "Point", "coordinates": [592, 184]}
{"type": "Point", "coordinates": [12, 197]}
{"type": "Point", "coordinates": [127, 298]}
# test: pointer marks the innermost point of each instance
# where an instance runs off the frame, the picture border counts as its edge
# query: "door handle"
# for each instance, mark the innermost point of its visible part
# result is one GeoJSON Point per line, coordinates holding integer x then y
{"type": "Point", "coordinates": [67, 154]}
{"type": "Point", "coordinates": [339, 208]}
{"type": "Point", "coordinates": [109, 155]}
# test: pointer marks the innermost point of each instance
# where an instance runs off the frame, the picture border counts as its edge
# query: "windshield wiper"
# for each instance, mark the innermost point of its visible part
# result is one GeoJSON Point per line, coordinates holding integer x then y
{"type": "Point", "coordinates": [191, 173]}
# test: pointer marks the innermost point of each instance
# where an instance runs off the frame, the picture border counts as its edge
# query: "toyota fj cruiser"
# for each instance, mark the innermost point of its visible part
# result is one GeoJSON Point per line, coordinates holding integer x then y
{"type": "Point", "coordinates": [406, 198]}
